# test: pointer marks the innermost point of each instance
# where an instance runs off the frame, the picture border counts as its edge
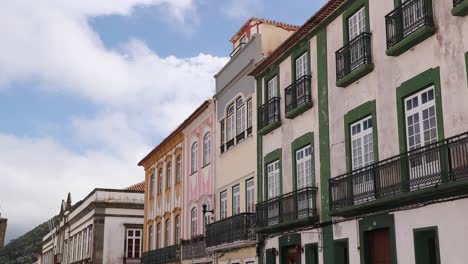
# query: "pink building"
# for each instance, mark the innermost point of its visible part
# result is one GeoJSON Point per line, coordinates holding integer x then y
{"type": "Point", "coordinates": [198, 186]}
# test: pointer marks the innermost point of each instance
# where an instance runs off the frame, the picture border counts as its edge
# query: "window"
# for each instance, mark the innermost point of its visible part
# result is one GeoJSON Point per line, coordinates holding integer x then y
{"type": "Point", "coordinates": [272, 88]}
{"type": "Point", "coordinates": [152, 186]}
{"type": "Point", "coordinates": [90, 241]}
{"type": "Point", "coordinates": [235, 200]}
{"type": "Point", "coordinates": [273, 179]}
{"type": "Point", "coordinates": [151, 237]}
{"type": "Point", "coordinates": [301, 67]}
{"type": "Point", "coordinates": [362, 149]}
{"type": "Point", "coordinates": [250, 195]}
{"type": "Point", "coordinates": [194, 158]}
{"type": "Point", "coordinates": [426, 246]}
{"type": "Point", "coordinates": [243, 40]}
{"type": "Point", "coordinates": [169, 175]}
{"type": "Point", "coordinates": [207, 216]}
{"type": "Point", "coordinates": [178, 169]}
{"type": "Point", "coordinates": [357, 23]}
{"type": "Point", "coordinates": [85, 243]}
{"type": "Point", "coordinates": [249, 113]}
{"type": "Point", "coordinates": [168, 232]}
{"type": "Point", "coordinates": [158, 236]}
{"type": "Point", "coordinates": [193, 222]}
{"type": "Point", "coordinates": [240, 116]}
{"type": "Point", "coordinates": [304, 167]}
{"type": "Point", "coordinates": [230, 122]}
{"type": "Point", "coordinates": [223, 204]}
{"type": "Point", "coordinates": [160, 181]}
{"type": "Point", "coordinates": [222, 132]}
{"type": "Point", "coordinates": [177, 230]}
{"type": "Point", "coordinates": [206, 149]}
{"type": "Point", "coordinates": [133, 249]}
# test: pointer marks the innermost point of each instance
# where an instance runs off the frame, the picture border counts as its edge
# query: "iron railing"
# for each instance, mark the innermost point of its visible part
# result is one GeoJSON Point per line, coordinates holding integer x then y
{"type": "Point", "coordinates": [249, 131]}
{"type": "Point", "coordinates": [240, 227]}
{"type": "Point", "coordinates": [237, 49]}
{"type": "Point", "coordinates": [425, 167]}
{"type": "Point", "coordinates": [354, 54]}
{"type": "Point", "coordinates": [269, 112]}
{"type": "Point", "coordinates": [240, 136]}
{"type": "Point", "coordinates": [297, 93]}
{"type": "Point", "coordinates": [406, 19]}
{"type": "Point", "coordinates": [132, 261]}
{"type": "Point", "coordinates": [300, 204]}
{"type": "Point", "coordinates": [194, 248]}
{"type": "Point", "coordinates": [457, 2]}
{"type": "Point", "coordinates": [230, 144]}
{"type": "Point", "coordinates": [162, 255]}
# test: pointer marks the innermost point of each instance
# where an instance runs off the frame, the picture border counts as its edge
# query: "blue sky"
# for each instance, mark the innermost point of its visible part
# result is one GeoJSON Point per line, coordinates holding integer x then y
{"type": "Point", "coordinates": [88, 88]}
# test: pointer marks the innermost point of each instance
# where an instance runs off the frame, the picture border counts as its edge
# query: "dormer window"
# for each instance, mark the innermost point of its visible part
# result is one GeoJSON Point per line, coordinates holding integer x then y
{"type": "Point", "coordinates": [243, 40]}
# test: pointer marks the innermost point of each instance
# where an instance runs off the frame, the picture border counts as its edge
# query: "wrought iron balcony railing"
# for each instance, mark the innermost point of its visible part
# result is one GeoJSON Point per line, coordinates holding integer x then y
{"type": "Point", "coordinates": [222, 147]}
{"type": "Point", "coordinates": [430, 166]}
{"type": "Point", "coordinates": [162, 255]}
{"type": "Point", "coordinates": [194, 248]}
{"type": "Point", "coordinates": [298, 93]}
{"type": "Point", "coordinates": [269, 112]}
{"type": "Point", "coordinates": [354, 54]}
{"type": "Point", "coordinates": [132, 261]}
{"type": "Point", "coordinates": [406, 19]}
{"type": "Point", "coordinates": [249, 131]}
{"type": "Point", "coordinates": [239, 227]}
{"type": "Point", "coordinates": [230, 143]}
{"type": "Point", "coordinates": [457, 2]}
{"type": "Point", "coordinates": [240, 136]}
{"type": "Point", "coordinates": [291, 207]}
{"type": "Point", "coordinates": [237, 49]}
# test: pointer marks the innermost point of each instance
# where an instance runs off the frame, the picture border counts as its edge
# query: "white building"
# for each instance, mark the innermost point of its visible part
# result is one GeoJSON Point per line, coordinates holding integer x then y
{"type": "Point", "coordinates": [104, 227]}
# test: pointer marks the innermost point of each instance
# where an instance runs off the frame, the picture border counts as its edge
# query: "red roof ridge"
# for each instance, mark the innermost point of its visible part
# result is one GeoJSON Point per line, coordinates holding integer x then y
{"type": "Point", "coordinates": [140, 187]}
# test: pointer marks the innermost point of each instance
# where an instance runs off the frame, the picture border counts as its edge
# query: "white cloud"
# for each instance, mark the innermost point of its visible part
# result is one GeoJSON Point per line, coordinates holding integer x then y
{"type": "Point", "coordinates": [140, 97]}
{"type": "Point", "coordinates": [241, 9]}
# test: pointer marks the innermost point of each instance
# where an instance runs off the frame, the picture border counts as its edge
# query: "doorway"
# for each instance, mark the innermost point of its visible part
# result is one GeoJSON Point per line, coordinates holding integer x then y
{"type": "Point", "coordinates": [378, 245]}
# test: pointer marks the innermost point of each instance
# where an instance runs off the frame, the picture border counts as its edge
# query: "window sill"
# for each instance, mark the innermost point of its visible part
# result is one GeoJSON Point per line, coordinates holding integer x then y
{"type": "Point", "coordinates": [298, 110]}
{"type": "Point", "coordinates": [206, 165]}
{"type": "Point", "coordinates": [270, 127]}
{"type": "Point", "coordinates": [355, 75]}
{"type": "Point", "coordinates": [461, 9]}
{"type": "Point", "coordinates": [410, 41]}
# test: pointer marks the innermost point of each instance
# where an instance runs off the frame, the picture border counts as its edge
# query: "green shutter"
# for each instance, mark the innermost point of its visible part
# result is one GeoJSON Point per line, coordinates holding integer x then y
{"type": "Point", "coordinates": [341, 251]}
{"type": "Point", "coordinates": [270, 258]}
{"type": "Point", "coordinates": [426, 246]}
{"type": "Point", "coordinates": [311, 254]}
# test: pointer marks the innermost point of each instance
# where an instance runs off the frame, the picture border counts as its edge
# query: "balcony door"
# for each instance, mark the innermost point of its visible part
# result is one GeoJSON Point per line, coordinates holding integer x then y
{"type": "Point", "coordinates": [378, 242]}
{"type": "Point", "coordinates": [421, 130]}
{"type": "Point", "coordinates": [413, 15]}
{"type": "Point", "coordinates": [273, 191]}
{"type": "Point", "coordinates": [362, 155]}
{"type": "Point", "coordinates": [304, 179]}
{"type": "Point", "coordinates": [356, 26]}
{"type": "Point", "coordinates": [272, 92]}
{"type": "Point", "coordinates": [301, 71]}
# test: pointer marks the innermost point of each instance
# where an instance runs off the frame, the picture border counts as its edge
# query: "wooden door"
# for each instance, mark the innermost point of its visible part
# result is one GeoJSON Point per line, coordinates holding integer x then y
{"type": "Point", "coordinates": [379, 247]}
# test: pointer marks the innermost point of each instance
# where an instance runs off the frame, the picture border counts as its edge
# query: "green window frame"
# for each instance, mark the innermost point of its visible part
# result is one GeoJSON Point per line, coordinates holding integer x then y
{"type": "Point", "coordinates": [350, 11]}
{"type": "Point", "coordinates": [371, 223]}
{"type": "Point", "coordinates": [341, 249]}
{"type": "Point", "coordinates": [275, 155]}
{"type": "Point", "coordinates": [364, 110]}
{"type": "Point", "coordinates": [268, 77]}
{"type": "Point", "coordinates": [297, 144]}
{"type": "Point", "coordinates": [412, 86]}
{"type": "Point", "coordinates": [298, 51]}
{"type": "Point", "coordinates": [461, 9]}
{"type": "Point", "coordinates": [423, 239]}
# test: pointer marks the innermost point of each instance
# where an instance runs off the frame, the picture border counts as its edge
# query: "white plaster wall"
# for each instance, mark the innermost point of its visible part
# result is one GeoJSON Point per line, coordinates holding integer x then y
{"type": "Point", "coordinates": [114, 238]}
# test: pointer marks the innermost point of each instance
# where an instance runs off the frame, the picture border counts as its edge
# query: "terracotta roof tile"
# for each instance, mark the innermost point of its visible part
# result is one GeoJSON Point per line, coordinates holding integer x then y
{"type": "Point", "coordinates": [312, 23]}
{"type": "Point", "coordinates": [267, 21]}
{"type": "Point", "coordinates": [139, 187]}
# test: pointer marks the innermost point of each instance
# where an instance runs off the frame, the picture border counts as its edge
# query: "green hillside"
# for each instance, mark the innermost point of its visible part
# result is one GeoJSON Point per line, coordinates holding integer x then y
{"type": "Point", "coordinates": [23, 249]}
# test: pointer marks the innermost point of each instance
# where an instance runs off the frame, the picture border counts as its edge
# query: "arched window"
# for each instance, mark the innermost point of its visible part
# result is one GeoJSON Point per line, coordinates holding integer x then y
{"type": "Point", "coordinates": [206, 149]}
{"type": "Point", "coordinates": [177, 229]}
{"type": "Point", "coordinates": [178, 169]}
{"type": "Point", "coordinates": [230, 123]}
{"type": "Point", "coordinates": [169, 175]}
{"type": "Point", "coordinates": [152, 186]}
{"type": "Point", "coordinates": [158, 236]}
{"type": "Point", "coordinates": [194, 158]}
{"type": "Point", "coordinates": [160, 181]}
{"type": "Point", "coordinates": [193, 222]}
{"type": "Point", "coordinates": [240, 115]}
{"type": "Point", "coordinates": [168, 232]}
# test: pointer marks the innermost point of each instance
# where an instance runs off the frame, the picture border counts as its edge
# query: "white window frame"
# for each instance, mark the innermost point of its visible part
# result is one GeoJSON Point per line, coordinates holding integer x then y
{"type": "Point", "coordinates": [133, 238]}
{"type": "Point", "coordinates": [194, 157]}
{"type": "Point", "coordinates": [249, 113]}
{"type": "Point", "coordinates": [301, 66]}
{"type": "Point", "coordinates": [272, 87]}
{"type": "Point", "coordinates": [236, 199]}
{"type": "Point", "coordinates": [193, 222]}
{"type": "Point", "coordinates": [230, 123]}
{"type": "Point", "coordinates": [178, 168]}
{"type": "Point", "coordinates": [304, 168]}
{"type": "Point", "coordinates": [223, 204]}
{"type": "Point", "coordinates": [168, 232]}
{"type": "Point", "coordinates": [360, 131]}
{"type": "Point", "coordinates": [169, 175]}
{"type": "Point", "coordinates": [357, 23]}
{"type": "Point", "coordinates": [160, 179]}
{"type": "Point", "coordinates": [240, 116]}
{"type": "Point", "coordinates": [206, 149]}
{"type": "Point", "coordinates": [273, 172]}
{"type": "Point", "coordinates": [250, 195]}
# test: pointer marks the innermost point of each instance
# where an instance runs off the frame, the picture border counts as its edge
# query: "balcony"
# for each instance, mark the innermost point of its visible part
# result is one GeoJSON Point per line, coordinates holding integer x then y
{"type": "Point", "coordinates": [291, 210]}
{"type": "Point", "coordinates": [269, 117]}
{"type": "Point", "coordinates": [230, 144]}
{"type": "Point", "coordinates": [354, 60]}
{"type": "Point", "coordinates": [194, 248]}
{"type": "Point", "coordinates": [229, 232]}
{"type": "Point", "coordinates": [240, 137]}
{"type": "Point", "coordinates": [460, 8]}
{"type": "Point", "coordinates": [132, 261]}
{"type": "Point", "coordinates": [409, 24]}
{"type": "Point", "coordinates": [165, 255]}
{"type": "Point", "coordinates": [298, 98]}
{"type": "Point", "coordinates": [237, 49]}
{"type": "Point", "coordinates": [439, 170]}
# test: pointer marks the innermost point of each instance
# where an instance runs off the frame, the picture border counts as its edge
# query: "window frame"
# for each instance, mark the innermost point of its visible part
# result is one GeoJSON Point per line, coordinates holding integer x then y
{"type": "Point", "coordinates": [167, 232]}
{"type": "Point", "coordinates": [249, 189]}
{"type": "Point", "coordinates": [177, 229]}
{"type": "Point", "coordinates": [235, 193]}
{"type": "Point", "coordinates": [158, 235]}
{"type": "Point", "coordinates": [193, 222]}
{"type": "Point", "coordinates": [275, 174]}
{"type": "Point", "coordinates": [304, 161]}
{"type": "Point", "coordinates": [178, 168]}
{"type": "Point", "coordinates": [152, 185]}
{"type": "Point", "coordinates": [194, 158]}
{"type": "Point", "coordinates": [223, 205]}
{"type": "Point", "coordinates": [134, 238]}
{"type": "Point", "coordinates": [240, 115]}
{"type": "Point", "coordinates": [359, 136]}
{"type": "Point", "coordinates": [160, 180]}
{"type": "Point", "coordinates": [169, 175]}
{"type": "Point", "coordinates": [207, 149]}
{"type": "Point", "coordinates": [230, 129]}
{"type": "Point", "coordinates": [249, 113]}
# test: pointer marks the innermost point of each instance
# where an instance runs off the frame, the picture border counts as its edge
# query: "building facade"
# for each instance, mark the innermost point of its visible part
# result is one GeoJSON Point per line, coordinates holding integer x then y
{"type": "Point", "coordinates": [231, 238]}
{"type": "Point", "coordinates": [3, 226]}
{"type": "Point", "coordinates": [104, 227]}
{"type": "Point", "coordinates": [198, 187]}
{"type": "Point", "coordinates": [363, 136]}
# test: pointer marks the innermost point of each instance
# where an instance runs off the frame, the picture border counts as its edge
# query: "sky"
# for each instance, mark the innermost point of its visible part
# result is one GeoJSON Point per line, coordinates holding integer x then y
{"type": "Point", "coordinates": [89, 87]}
